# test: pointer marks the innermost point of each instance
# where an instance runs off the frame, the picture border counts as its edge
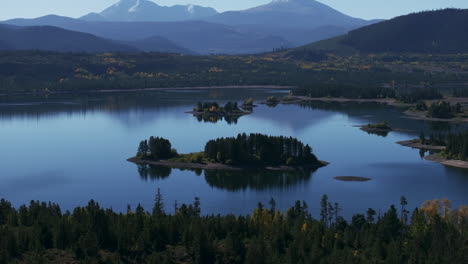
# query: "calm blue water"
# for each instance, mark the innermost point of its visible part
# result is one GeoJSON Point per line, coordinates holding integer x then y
{"type": "Point", "coordinates": [72, 149]}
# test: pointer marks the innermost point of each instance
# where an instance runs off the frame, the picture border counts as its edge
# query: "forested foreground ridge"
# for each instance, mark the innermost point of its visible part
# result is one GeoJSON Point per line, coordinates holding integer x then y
{"type": "Point", "coordinates": [42, 233]}
{"type": "Point", "coordinates": [326, 72]}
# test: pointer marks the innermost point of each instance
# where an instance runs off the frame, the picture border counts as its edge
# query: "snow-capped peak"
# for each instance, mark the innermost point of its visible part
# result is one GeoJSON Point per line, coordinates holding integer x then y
{"type": "Point", "coordinates": [134, 7]}
{"type": "Point", "coordinates": [190, 9]}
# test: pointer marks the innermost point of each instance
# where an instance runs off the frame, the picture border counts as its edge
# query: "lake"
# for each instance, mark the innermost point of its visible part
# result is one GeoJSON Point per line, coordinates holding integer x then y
{"type": "Point", "coordinates": [69, 149]}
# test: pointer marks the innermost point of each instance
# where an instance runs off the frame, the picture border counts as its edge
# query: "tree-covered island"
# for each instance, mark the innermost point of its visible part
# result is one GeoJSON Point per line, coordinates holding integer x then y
{"type": "Point", "coordinates": [381, 129]}
{"type": "Point", "coordinates": [213, 111]}
{"type": "Point", "coordinates": [254, 151]}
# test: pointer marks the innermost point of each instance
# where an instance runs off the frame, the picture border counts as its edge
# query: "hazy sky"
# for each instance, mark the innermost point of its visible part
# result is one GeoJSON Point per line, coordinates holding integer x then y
{"type": "Point", "coordinates": [357, 8]}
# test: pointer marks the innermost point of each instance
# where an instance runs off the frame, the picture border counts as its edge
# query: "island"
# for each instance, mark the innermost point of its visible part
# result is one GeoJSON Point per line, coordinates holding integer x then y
{"type": "Point", "coordinates": [381, 129]}
{"type": "Point", "coordinates": [272, 101]}
{"type": "Point", "coordinates": [249, 104]}
{"type": "Point", "coordinates": [214, 110]}
{"type": "Point", "coordinates": [254, 151]}
{"type": "Point", "coordinates": [352, 178]}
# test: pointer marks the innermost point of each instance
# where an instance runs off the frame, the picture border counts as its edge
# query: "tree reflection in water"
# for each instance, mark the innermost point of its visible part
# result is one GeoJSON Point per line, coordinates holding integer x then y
{"type": "Point", "coordinates": [257, 179]}
{"type": "Point", "coordinates": [231, 120]}
{"type": "Point", "coordinates": [153, 172]}
{"type": "Point", "coordinates": [234, 180]}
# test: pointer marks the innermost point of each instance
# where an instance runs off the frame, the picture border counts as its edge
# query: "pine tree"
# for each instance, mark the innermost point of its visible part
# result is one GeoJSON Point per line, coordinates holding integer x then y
{"type": "Point", "coordinates": [158, 209]}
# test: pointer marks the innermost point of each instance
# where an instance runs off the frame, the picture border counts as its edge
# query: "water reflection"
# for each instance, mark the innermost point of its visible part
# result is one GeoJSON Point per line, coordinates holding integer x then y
{"type": "Point", "coordinates": [378, 133]}
{"type": "Point", "coordinates": [152, 172]}
{"type": "Point", "coordinates": [120, 102]}
{"type": "Point", "coordinates": [231, 120]}
{"type": "Point", "coordinates": [233, 180]}
{"type": "Point", "coordinates": [378, 112]}
{"type": "Point", "coordinates": [255, 180]}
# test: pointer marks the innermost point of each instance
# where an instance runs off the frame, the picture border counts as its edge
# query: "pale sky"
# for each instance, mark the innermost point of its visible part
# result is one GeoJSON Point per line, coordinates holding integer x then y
{"type": "Point", "coordinates": [366, 9]}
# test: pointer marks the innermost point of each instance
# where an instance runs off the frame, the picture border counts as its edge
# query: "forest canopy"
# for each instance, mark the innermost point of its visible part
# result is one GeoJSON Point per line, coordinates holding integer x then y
{"type": "Point", "coordinates": [253, 149]}
{"type": "Point", "coordinates": [41, 232]}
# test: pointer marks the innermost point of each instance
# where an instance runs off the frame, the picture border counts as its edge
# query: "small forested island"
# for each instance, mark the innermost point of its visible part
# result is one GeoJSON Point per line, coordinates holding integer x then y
{"type": "Point", "coordinates": [381, 129]}
{"type": "Point", "coordinates": [249, 103]}
{"type": "Point", "coordinates": [453, 148]}
{"type": "Point", "coordinates": [272, 101]}
{"type": "Point", "coordinates": [377, 127]}
{"type": "Point", "coordinates": [216, 110]}
{"type": "Point", "coordinates": [254, 151]}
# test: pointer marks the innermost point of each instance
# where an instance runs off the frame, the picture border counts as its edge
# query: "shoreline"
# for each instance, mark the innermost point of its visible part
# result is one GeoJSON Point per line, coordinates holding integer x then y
{"type": "Point", "coordinates": [436, 157]}
{"type": "Point", "coordinates": [421, 115]}
{"type": "Point", "coordinates": [410, 114]}
{"type": "Point", "coordinates": [388, 101]}
{"type": "Point", "coordinates": [415, 143]}
{"type": "Point", "coordinates": [447, 162]}
{"type": "Point", "coordinates": [219, 166]}
{"type": "Point", "coordinates": [274, 87]}
{"type": "Point", "coordinates": [375, 130]}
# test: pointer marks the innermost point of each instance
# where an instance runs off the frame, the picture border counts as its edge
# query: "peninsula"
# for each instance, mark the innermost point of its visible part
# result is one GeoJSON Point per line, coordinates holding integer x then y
{"type": "Point", "coordinates": [450, 149]}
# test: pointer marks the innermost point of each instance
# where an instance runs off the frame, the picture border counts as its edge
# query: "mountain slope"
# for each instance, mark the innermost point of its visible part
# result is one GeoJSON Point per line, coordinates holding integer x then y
{"type": "Point", "coordinates": [144, 10]}
{"type": "Point", "coordinates": [54, 39]}
{"type": "Point", "coordinates": [198, 36]}
{"type": "Point", "coordinates": [442, 31]}
{"type": "Point", "coordinates": [157, 44]}
{"type": "Point", "coordinates": [293, 13]}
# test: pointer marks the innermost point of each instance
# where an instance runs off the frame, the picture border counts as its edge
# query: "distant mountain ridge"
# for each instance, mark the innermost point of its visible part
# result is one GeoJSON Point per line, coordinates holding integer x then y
{"type": "Point", "coordinates": [148, 11]}
{"type": "Point", "coordinates": [55, 39]}
{"type": "Point", "coordinates": [441, 31]}
{"type": "Point", "coordinates": [293, 13]}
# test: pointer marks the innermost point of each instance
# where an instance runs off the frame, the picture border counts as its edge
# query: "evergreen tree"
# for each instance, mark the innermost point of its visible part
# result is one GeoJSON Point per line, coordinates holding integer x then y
{"type": "Point", "coordinates": [158, 209]}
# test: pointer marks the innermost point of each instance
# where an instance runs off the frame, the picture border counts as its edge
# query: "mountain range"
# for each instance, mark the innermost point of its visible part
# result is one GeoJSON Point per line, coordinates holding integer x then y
{"type": "Point", "coordinates": [195, 29]}
{"type": "Point", "coordinates": [144, 10]}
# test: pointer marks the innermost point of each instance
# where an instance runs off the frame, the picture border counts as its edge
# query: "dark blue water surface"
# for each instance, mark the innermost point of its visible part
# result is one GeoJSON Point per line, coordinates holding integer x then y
{"type": "Point", "coordinates": [70, 149]}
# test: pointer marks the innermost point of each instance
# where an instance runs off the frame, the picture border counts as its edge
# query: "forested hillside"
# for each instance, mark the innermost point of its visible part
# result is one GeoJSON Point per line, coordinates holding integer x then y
{"type": "Point", "coordinates": [441, 31]}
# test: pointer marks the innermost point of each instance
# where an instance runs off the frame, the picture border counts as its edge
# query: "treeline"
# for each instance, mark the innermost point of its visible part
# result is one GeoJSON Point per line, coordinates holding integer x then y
{"type": "Point", "coordinates": [156, 148]}
{"type": "Point", "coordinates": [363, 91]}
{"type": "Point", "coordinates": [442, 109]}
{"type": "Point", "coordinates": [214, 107]}
{"type": "Point", "coordinates": [344, 90]}
{"type": "Point", "coordinates": [258, 148]}
{"type": "Point", "coordinates": [456, 144]}
{"type": "Point", "coordinates": [42, 233]}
